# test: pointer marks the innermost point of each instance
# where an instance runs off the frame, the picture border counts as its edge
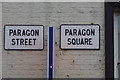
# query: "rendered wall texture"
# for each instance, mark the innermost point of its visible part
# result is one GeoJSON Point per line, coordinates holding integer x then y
{"type": "Point", "coordinates": [1, 40]}
{"type": "Point", "coordinates": [68, 63]}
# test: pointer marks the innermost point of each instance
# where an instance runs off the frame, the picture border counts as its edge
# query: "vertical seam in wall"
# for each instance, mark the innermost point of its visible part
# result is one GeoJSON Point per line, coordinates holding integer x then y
{"type": "Point", "coordinates": [1, 40]}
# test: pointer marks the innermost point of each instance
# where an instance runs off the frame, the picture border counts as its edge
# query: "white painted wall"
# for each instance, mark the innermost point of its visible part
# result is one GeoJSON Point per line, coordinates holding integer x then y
{"type": "Point", "coordinates": [69, 63]}
{"type": "Point", "coordinates": [53, 1]}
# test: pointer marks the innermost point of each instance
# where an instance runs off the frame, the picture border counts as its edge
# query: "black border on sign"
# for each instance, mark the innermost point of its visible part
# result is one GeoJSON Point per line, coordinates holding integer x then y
{"type": "Point", "coordinates": [22, 25]}
{"type": "Point", "coordinates": [109, 38]}
{"type": "Point", "coordinates": [79, 48]}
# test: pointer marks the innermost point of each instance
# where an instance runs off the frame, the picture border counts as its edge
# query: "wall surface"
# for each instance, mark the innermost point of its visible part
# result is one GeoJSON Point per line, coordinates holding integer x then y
{"type": "Point", "coordinates": [1, 40]}
{"type": "Point", "coordinates": [69, 63]}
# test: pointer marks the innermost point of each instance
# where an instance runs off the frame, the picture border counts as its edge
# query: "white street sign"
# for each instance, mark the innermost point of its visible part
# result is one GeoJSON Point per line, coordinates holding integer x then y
{"type": "Point", "coordinates": [80, 36]}
{"type": "Point", "coordinates": [23, 37]}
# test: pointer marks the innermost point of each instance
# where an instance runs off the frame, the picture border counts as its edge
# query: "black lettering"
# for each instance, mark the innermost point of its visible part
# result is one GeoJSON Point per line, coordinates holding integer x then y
{"type": "Point", "coordinates": [18, 32]}
{"type": "Point", "coordinates": [17, 41]}
{"type": "Point", "coordinates": [86, 41]}
{"type": "Point", "coordinates": [66, 31]}
{"type": "Point", "coordinates": [28, 32]}
{"type": "Point", "coordinates": [73, 41]}
{"type": "Point", "coordinates": [83, 32]}
{"type": "Point", "coordinates": [88, 32]}
{"type": "Point", "coordinates": [75, 32]}
{"type": "Point", "coordinates": [23, 33]}
{"type": "Point", "coordinates": [70, 32]}
{"type": "Point", "coordinates": [90, 41]}
{"type": "Point", "coordinates": [30, 42]}
{"type": "Point", "coordinates": [13, 41]}
{"type": "Point", "coordinates": [21, 41]}
{"type": "Point", "coordinates": [32, 32]}
{"type": "Point", "coordinates": [37, 32]}
{"type": "Point", "coordinates": [69, 43]}
{"type": "Point", "coordinates": [82, 41]}
{"type": "Point", "coordinates": [26, 41]}
{"type": "Point", "coordinates": [10, 32]}
{"type": "Point", "coordinates": [92, 32]}
{"type": "Point", "coordinates": [34, 41]}
{"type": "Point", "coordinates": [78, 41]}
{"type": "Point", "coordinates": [14, 33]}
{"type": "Point", "coordinates": [79, 32]}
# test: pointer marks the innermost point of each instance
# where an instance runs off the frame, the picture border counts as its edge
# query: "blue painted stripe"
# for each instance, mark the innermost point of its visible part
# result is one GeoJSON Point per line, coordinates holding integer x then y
{"type": "Point", "coordinates": [50, 53]}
